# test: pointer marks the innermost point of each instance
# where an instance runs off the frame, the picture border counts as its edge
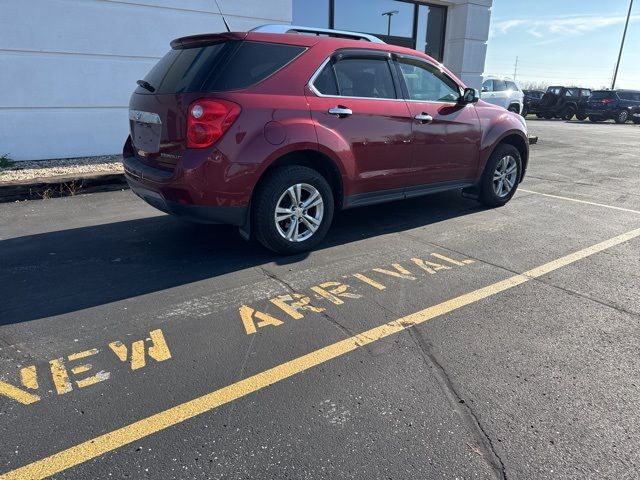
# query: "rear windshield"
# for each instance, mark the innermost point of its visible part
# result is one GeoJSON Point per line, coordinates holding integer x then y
{"type": "Point", "coordinates": [601, 95]}
{"type": "Point", "coordinates": [229, 65]}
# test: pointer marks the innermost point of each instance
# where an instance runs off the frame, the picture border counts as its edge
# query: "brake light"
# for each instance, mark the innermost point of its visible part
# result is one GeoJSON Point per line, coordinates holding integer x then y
{"type": "Point", "coordinates": [208, 120]}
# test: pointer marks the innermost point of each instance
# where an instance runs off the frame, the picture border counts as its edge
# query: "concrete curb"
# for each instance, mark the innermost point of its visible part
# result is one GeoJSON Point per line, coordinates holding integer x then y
{"type": "Point", "coordinates": [60, 186]}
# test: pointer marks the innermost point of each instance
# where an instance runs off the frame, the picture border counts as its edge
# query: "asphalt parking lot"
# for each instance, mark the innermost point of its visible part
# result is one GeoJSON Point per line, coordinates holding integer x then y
{"type": "Point", "coordinates": [429, 338]}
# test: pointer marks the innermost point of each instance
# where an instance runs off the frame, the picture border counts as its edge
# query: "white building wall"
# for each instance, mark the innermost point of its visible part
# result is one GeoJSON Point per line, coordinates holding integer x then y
{"type": "Point", "coordinates": [68, 67]}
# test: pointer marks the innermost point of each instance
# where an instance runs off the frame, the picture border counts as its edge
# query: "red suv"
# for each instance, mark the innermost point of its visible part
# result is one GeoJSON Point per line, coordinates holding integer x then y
{"type": "Point", "coordinates": [274, 131]}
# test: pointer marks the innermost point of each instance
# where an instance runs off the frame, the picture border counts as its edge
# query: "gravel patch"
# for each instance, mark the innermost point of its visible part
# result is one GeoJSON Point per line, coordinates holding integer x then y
{"type": "Point", "coordinates": [28, 170]}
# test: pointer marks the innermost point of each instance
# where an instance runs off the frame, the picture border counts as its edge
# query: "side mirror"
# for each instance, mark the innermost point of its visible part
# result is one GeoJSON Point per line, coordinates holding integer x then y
{"type": "Point", "coordinates": [470, 95]}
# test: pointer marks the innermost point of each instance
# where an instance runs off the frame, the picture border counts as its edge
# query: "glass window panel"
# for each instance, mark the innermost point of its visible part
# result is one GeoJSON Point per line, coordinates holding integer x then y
{"type": "Point", "coordinates": [427, 83]}
{"type": "Point", "coordinates": [325, 82]}
{"type": "Point", "coordinates": [430, 34]}
{"type": "Point", "coordinates": [365, 77]}
{"type": "Point", "coordinates": [366, 16]}
{"type": "Point", "coordinates": [311, 13]}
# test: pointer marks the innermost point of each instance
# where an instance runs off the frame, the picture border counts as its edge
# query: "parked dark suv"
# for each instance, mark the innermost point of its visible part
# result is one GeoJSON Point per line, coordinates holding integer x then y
{"type": "Point", "coordinates": [619, 105]}
{"type": "Point", "coordinates": [273, 131]}
{"type": "Point", "coordinates": [531, 101]}
{"type": "Point", "coordinates": [564, 102]}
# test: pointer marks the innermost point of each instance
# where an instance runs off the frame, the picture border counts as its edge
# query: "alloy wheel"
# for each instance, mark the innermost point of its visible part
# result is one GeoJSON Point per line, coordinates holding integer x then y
{"type": "Point", "coordinates": [299, 212]}
{"type": "Point", "coordinates": [504, 176]}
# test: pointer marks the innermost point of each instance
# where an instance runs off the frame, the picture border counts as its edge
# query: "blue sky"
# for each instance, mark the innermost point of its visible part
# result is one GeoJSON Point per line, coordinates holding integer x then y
{"type": "Point", "coordinates": [564, 41]}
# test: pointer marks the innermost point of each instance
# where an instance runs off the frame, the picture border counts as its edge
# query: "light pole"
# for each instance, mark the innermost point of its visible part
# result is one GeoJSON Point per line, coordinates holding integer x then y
{"type": "Point", "coordinates": [390, 14]}
{"type": "Point", "coordinates": [626, 25]}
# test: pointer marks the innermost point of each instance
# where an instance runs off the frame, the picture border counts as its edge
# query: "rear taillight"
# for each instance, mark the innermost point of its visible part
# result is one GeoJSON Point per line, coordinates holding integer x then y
{"type": "Point", "coordinates": [607, 101]}
{"type": "Point", "coordinates": [208, 120]}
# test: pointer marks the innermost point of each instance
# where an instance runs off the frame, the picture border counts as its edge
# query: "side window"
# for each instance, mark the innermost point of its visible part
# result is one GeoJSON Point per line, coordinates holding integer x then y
{"type": "Point", "coordinates": [512, 86]}
{"type": "Point", "coordinates": [425, 82]}
{"type": "Point", "coordinates": [585, 93]}
{"type": "Point", "coordinates": [364, 77]}
{"type": "Point", "coordinates": [325, 82]}
{"type": "Point", "coordinates": [499, 86]}
{"type": "Point", "coordinates": [487, 86]}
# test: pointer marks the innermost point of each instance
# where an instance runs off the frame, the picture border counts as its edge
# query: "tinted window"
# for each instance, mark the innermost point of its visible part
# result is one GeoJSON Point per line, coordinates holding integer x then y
{"type": "Point", "coordinates": [184, 70]}
{"type": "Point", "coordinates": [252, 63]}
{"type": "Point", "coordinates": [222, 66]}
{"type": "Point", "coordinates": [364, 77]}
{"type": "Point", "coordinates": [431, 22]}
{"type": "Point", "coordinates": [572, 92]}
{"type": "Point", "coordinates": [631, 96]}
{"type": "Point", "coordinates": [427, 83]}
{"type": "Point", "coordinates": [554, 90]}
{"type": "Point", "coordinates": [366, 16]}
{"type": "Point", "coordinates": [487, 86]}
{"type": "Point", "coordinates": [600, 95]}
{"type": "Point", "coordinates": [512, 86]}
{"type": "Point", "coordinates": [325, 82]}
{"type": "Point", "coordinates": [499, 86]}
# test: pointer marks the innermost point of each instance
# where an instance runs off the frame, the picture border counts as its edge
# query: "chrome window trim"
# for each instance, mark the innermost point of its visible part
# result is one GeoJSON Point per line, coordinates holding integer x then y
{"type": "Point", "coordinates": [317, 93]}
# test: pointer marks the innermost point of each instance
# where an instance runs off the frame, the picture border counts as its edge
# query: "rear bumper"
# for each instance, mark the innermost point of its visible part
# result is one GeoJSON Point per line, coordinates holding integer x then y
{"type": "Point", "coordinates": [158, 189]}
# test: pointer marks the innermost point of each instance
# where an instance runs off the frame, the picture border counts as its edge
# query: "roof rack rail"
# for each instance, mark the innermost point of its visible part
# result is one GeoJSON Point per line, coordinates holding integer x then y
{"type": "Point", "coordinates": [277, 28]}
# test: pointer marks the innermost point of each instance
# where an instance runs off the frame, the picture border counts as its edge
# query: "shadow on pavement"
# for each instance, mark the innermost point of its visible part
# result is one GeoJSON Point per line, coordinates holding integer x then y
{"type": "Point", "coordinates": [68, 270]}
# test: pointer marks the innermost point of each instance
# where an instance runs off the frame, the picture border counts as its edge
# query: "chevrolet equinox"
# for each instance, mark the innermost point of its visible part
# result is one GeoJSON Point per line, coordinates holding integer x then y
{"type": "Point", "coordinates": [272, 132]}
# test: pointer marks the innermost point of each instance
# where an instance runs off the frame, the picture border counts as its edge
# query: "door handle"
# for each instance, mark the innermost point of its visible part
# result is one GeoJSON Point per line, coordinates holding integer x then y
{"type": "Point", "coordinates": [424, 118]}
{"type": "Point", "coordinates": [340, 111]}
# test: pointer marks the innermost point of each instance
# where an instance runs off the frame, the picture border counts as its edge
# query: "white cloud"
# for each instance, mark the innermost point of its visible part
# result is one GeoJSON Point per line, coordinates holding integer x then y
{"type": "Point", "coordinates": [560, 26]}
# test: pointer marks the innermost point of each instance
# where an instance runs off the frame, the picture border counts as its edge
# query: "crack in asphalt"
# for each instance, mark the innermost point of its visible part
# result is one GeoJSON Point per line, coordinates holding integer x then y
{"type": "Point", "coordinates": [584, 184]}
{"type": "Point", "coordinates": [534, 279]}
{"type": "Point", "coordinates": [462, 408]}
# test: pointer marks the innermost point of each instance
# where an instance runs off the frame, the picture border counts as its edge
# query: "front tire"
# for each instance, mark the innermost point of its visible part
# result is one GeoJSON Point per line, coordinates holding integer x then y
{"type": "Point", "coordinates": [594, 119]}
{"type": "Point", "coordinates": [581, 116]}
{"type": "Point", "coordinates": [622, 117]}
{"type": "Point", "coordinates": [292, 209]}
{"type": "Point", "coordinates": [501, 176]}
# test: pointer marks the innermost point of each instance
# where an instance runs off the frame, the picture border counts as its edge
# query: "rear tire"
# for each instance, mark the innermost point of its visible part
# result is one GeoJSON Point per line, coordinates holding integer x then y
{"type": "Point", "coordinates": [525, 111]}
{"type": "Point", "coordinates": [503, 169]}
{"type": "Point", "coordinates": [515, 108]}
{"type": "Point", "coordinates": [568, 113]}
{"type": "Point", "coordinates": [304, 202]}
{"type": "Point", "coordinates": [548, 116]}
{"type": "Point", "coordinates": [594, 119]}
{"type": "Point", "coordinates": [636, 120]}
{"type": "Point", "coordinates": [622, 117]}
{"type": "Point", "coordinates": [580, 116]}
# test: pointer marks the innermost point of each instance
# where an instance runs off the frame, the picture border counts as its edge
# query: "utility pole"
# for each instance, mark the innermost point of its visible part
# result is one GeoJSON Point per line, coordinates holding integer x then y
{"type": "Point", "coordinates": [515, 70]}
{"type": "Point", "coordinates": [624, 34]}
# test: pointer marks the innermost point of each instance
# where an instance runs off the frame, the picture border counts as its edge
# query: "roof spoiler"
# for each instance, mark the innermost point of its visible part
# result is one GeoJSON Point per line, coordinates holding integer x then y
{"type": "Point", "coordinates": [205, 39]}
{"type": "Point", "coordinates": [277, 28]}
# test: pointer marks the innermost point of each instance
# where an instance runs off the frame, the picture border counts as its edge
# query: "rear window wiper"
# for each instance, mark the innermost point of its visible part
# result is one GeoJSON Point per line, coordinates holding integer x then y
{"type": "Point", "coordinates": [146, 85]}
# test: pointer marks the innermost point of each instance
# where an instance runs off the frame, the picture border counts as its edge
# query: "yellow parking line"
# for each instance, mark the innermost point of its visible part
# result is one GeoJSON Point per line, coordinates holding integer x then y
{"type": "Point", "coordinates": [160, 421]}
{"type": "Point", "coordinates": [580, 201]}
